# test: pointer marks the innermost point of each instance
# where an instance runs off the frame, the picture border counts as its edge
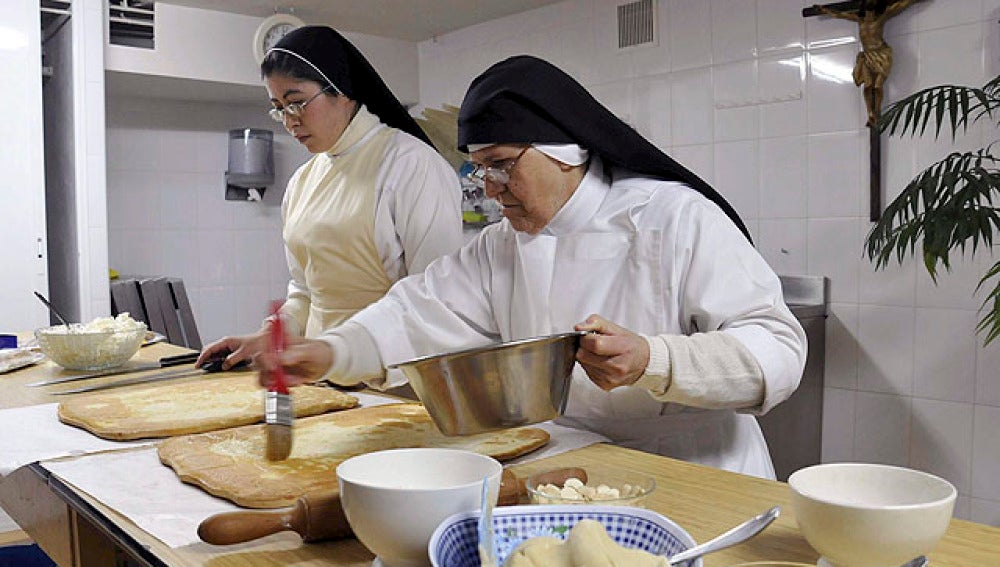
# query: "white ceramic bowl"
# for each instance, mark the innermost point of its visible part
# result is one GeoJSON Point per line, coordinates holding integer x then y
{"type": "Point", "coordinates": [455, 542]}
{"type": "Point", "coordinates": [395, 499]}
{"type": "Point", "coordinates": [79, 348]}
{"type": "Point", "coordinates": [868, 515]}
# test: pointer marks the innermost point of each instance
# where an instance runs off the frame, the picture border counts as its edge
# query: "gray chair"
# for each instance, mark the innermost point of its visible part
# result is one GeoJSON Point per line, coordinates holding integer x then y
{"type": "Point", "coordinates": [160, 302]}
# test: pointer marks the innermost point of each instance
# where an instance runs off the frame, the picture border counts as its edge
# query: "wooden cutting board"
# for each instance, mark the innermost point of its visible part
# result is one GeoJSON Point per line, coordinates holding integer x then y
{"type": "Point", "coordinates": [189, 407]}
{"type": "Point", "coordinates": [231, 463]}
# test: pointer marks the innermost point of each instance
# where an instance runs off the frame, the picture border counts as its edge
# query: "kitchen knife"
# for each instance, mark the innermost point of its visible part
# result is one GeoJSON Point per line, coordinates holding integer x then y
{"type": "Point", "coordinates": [210, 367]}
{"type": "Point", "coordinates": [164, 362]}
{"type": "Point", "coordinates": [318, 517]}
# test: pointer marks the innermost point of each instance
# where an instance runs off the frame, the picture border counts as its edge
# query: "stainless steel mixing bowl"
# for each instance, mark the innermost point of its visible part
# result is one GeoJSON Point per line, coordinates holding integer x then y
{"type": "Point", "coordinates": [497, 386]}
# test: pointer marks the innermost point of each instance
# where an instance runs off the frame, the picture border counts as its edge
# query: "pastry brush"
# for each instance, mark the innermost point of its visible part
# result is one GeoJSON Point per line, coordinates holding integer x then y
{"type": "Point", "coordinates": [277, 401]}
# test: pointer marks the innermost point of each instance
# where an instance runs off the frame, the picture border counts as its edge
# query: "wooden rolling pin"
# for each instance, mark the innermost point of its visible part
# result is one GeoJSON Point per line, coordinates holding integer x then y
{"type": "Point", "coordinates": [318, 517]}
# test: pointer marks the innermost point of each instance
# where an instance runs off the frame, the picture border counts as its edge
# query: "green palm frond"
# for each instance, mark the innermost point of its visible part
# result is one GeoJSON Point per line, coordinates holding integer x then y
{"type": "Point", "coordinates": [990, 323]}
{"type": "Point", "coordinates": [947, 206]}
{"type": "Point", "coordinates": [945, 105]}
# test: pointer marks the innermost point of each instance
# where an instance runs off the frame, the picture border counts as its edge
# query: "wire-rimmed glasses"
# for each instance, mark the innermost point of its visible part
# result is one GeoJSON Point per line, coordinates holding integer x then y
{"type": "Point", "coordinates": [499, 175]}
{"type": "Point", "coordinates": [294, 109]}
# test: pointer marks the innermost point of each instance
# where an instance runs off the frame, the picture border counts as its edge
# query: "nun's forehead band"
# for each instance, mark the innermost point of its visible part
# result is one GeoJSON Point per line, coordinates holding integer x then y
{"type": "Point", "coordinates": [308, 62]}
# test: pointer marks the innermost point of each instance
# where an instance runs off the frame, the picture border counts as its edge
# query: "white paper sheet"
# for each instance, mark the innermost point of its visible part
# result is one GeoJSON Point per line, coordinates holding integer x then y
{"type": "Point", "coordinates": [136, 485]}
{"type": "Point", "coordinates": [34, 433]}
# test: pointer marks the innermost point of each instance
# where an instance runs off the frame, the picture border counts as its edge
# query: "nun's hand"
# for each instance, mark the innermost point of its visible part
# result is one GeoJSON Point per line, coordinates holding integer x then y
{"type": "Point", "coordinates": [304, 360]}
{"type": "Point", "coordinates": [612, 355]}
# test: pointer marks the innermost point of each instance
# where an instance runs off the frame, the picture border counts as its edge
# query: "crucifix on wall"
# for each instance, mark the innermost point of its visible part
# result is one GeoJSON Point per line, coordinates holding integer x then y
{"type": "Point", "coordinates": [871, 69]}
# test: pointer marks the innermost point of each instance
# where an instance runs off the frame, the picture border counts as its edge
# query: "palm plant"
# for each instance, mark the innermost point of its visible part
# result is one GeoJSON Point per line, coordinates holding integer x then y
{"type": "Point", "coordinates": [949, 205]}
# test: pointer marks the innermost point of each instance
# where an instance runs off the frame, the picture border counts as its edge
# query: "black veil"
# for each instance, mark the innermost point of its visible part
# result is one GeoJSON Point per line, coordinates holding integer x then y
{"type": "Point", "coordinates": [524, 99]}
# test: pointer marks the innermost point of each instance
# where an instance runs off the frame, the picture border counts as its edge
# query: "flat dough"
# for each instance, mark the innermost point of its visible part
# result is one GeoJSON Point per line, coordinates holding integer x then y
{"type": "Point", "coordinates": [231, 463]}
{"type": "Point", "coordinates": [189, 407]}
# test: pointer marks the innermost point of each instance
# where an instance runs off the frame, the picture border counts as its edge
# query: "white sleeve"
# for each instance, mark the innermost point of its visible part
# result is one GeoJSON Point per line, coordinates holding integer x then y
{"type": "Point", "coordinates": [418, 216]}
{"type": "Point", "coordinates": [723, 284]}
{"type": "Point", "coordinates": [728, 374]}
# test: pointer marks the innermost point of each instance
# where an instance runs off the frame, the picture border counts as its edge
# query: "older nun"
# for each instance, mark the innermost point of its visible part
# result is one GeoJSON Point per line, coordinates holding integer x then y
{"type": "Point", "coordinates": [604, 233]}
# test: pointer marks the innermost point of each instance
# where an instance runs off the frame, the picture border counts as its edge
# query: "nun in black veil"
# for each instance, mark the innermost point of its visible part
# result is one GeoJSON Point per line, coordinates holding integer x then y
{"type": "Point", "coordinates": [375, 203]}
{"type": "Point", "coordinates": [689, 334]}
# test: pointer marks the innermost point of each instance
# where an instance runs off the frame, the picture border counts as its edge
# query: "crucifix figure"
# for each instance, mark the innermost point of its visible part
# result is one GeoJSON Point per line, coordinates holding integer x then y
{"type": "Point", "coordinates": [871, 69]}
{"type": "Point", "coordinates": [874, 61]}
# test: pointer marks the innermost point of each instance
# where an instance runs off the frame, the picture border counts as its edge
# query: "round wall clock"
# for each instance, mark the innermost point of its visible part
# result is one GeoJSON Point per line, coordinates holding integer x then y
{"type": "Point", "coordinates": [271, 30]}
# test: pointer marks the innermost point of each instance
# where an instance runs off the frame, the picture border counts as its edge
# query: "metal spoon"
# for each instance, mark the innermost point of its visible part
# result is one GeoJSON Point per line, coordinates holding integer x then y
{"type": "Point", "coordinates": [52, 309]}
{"type": "Point", "coordinates": [739, 534]}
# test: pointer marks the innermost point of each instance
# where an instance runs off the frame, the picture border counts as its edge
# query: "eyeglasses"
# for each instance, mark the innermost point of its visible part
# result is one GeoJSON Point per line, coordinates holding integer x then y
{"type": "Point", "coordinates": [294, 109]}
{"type": "Point", "coordinates": [499, 175]}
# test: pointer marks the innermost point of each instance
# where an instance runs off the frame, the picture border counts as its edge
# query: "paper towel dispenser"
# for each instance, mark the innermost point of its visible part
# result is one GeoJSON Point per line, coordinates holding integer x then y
{"type": "Point", "coordinates": [251, 164]}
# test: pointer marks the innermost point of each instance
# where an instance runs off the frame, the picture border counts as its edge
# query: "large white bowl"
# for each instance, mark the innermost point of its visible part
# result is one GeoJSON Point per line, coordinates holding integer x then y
{"type": "Point", "coordinates": [868, 515]}
{"type": "Point", "coordinates": [395, 499]}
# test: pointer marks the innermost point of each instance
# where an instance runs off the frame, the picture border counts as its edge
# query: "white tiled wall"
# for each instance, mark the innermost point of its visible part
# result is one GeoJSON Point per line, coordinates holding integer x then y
{"type": "Point", "coordinates": [167, 212]}
{"type": "Point", "coordinates": [760, 102]}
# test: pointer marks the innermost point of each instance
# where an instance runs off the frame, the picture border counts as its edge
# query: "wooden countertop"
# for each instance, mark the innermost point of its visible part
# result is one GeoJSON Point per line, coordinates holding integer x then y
{"type": "Point", "coordinates": [77, 530]}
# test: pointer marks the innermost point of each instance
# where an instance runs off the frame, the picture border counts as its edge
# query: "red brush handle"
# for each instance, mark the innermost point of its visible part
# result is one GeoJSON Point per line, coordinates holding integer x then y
{"type": "Point", "coordinates": [280, 384]}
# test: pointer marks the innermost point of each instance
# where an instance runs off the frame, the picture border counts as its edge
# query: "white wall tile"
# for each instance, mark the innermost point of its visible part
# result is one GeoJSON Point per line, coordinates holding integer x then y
{"type": "Point", "coordinates": [945, 355]}
{"type": "Point", "coordinates": [736, 176]}
{"type": "Point", "coordinates": [780, 25]}
{"type": "Point", "coordinates": [941, 441]}
{"type": "Point", "coordinates": [654, 59]}
{"type": "Point", "coordinates": [882, 429]}
{"type": "Point", "coordinates": [952, 55]}
{"type": "Point", "coordinates": [216, 261]}
{"type": "Point", "coordinates": [616, 97]}
{"type": "Point", "coordinates": [838, 425]}
{"type": "Point", "coordinates": [986, 453]}
{"type": "Point", "coordinates": [138, 253]}
{"type": "Point", "coordinates": [886, 336]}
{"type": "Point", "coordinates": [842, 352]}
{"type": "Point", "coordinates": [734, 30]}
{"type": "Point", "coordinates": [651, 109]}
{"type": "Point", "coordinates": [834, 252]}
{"type": "Point", "coordinates": [988, 372]}
{"type": "Point", "coordinates": [782, 78]}
{"type": "Point", "coordinates": [736, 114]}
{"type": "Point", "coordinates": [608, 62]}
{"type": "Point", "coordinates": [252, 303]}
{"type": "Point", "coordinates": [924, 16]}
{"type": "Point", "coordinates": [835, 181]}
{"type": "Point", "coordinates": [691, 106]}
{"type": "Point", "coordinates": [179, 250]}
{"type": "Point", "coordinates": [699, 158]}
{"type": "Point", "coordinates": [904, 76]}
{"type": "Point", "coordinates": [689, 34]}
{"type": "Point", "coordinates": [835, 103]}
{"type": "Point", "coordinates": [985, 511]}
{"type": "Point", "coordinates": [825, 31]}
{"type": "Point", "coordinates": [892, 284]}
{"type": "Point", "coordinates": [782, 243]}
{"type": "Point", "coordinates": [177, 194]}
{"type": "Point", "coordinates": [250, 247]}
{"type": "Point", "coordinates": [215, 312]}
{"type": "Point", "coordinates": [783, 186]}
{"type": "Point", "coordinates": [955, 289]}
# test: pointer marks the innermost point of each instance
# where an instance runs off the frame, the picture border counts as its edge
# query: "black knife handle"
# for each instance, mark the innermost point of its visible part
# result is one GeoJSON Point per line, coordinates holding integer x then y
{"type": "Point", "coordinates": [178, 359]}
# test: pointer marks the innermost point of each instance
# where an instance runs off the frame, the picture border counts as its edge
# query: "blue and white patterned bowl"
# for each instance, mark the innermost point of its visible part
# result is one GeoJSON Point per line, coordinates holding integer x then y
{"type": "Point", "coordinates": [454, 542]}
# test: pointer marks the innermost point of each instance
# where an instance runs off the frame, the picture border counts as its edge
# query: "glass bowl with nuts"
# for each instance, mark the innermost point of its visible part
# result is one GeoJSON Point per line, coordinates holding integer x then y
{"type": "Point", "coordinates": [604, 487]}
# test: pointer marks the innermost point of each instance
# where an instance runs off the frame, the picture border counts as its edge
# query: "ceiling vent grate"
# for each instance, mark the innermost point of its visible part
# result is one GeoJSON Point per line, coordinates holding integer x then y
{"type": "Point", "coordinates": [130, 22]}
{"type": "Point", "coordinates": [636, 24]}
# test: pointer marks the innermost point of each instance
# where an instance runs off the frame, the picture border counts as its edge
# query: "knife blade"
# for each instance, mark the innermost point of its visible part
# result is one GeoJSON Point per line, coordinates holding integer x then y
{"type": "Point", "coordinates": [164, 362]}
{"type": "Point", "coordinates": [210, 367]}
